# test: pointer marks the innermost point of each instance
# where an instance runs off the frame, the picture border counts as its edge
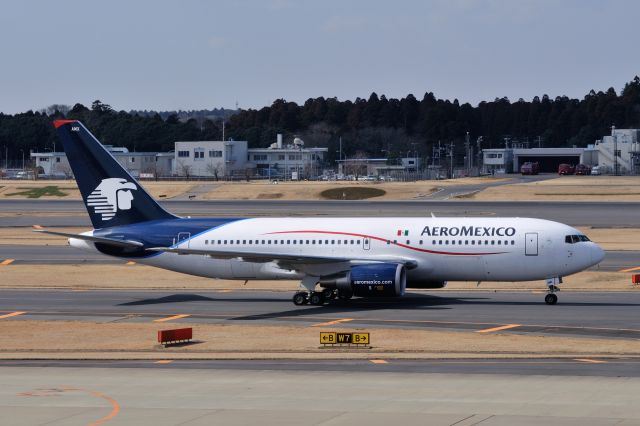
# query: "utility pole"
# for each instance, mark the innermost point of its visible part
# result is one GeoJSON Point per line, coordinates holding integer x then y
{"type": "Point", "coordinates": [615, 150]}
{"type": "Point", "coordinates": [467, 150]}
{"type": "Point", "coordinates": [223, 130]}
{"type": "Point", "coordinates": [479, 154]}
{"type": "Point", "coordinates": [451, 158]}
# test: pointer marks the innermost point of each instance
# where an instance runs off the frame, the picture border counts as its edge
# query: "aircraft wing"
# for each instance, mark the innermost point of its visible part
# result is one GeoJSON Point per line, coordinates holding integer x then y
{"type": "Point", "coordinates": [91, 238]}
{"type": "Point", "coordinates": [285, 259]}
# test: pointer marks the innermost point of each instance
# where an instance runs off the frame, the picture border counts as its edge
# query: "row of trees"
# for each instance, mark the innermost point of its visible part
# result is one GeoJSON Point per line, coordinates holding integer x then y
{"type": "Point", "coordinates": [375, 126]}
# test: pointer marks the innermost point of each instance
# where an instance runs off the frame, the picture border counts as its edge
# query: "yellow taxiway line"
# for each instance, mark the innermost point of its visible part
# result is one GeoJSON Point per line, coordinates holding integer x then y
{"type": "Point", "coordinates": [7, 262]}
{"type": "Point", "coordinates": [503, 327]}
{"type": "Point", "coordinates": [338, 321]}
{"type": "Point", "coordinates": [637, 268]}
{"type": "Point", "coordinates": [593, 361]}
{"type": "Point", "coordinates": [12, 314]}
{"type": "Point", "coordinates": [171, 318]}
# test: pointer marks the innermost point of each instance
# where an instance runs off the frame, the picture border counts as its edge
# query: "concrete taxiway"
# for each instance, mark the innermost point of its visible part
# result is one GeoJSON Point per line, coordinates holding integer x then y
{"type": "Point", "coordinates": [374, 392]}
{"type": "Point", "coordinates": [592, 314]}
{"type": "Point", "coordinates": [73, 213]}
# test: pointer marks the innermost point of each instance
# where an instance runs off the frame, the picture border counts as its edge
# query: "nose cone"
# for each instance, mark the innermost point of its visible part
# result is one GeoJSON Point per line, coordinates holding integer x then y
{"type": "Point", "coordinates": [597, 254]}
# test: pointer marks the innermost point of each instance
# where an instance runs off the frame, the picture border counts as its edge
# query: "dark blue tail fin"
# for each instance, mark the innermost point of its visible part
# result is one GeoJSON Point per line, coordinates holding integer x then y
{"type": "Point", "coordinates": [111, 195]}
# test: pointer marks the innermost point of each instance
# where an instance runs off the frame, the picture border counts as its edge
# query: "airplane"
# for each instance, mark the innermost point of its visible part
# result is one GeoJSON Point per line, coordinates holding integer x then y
{"type": "Point", "coordinates": [331, 257]}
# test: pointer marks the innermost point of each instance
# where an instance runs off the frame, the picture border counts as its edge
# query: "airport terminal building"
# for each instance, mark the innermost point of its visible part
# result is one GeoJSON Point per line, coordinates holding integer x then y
{"type": "Point", "coordinates": [212, 159]}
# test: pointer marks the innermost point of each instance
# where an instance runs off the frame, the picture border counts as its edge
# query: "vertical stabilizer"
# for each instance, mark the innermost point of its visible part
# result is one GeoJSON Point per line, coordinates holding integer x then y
{"type": "Point", "coordinates": [112, 197]}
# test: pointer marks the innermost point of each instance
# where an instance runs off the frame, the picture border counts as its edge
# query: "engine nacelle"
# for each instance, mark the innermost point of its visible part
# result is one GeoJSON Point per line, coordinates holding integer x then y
{"type": "Point", "coordinates": [376, 280]}
{"type": "Point", "coordinates": [426, 284]}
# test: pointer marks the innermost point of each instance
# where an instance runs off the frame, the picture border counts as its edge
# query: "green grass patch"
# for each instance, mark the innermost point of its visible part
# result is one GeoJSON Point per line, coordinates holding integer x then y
{"type": "Point", "coordinates": [45, 191]}
{"type": "Point", "coordinates": [352, 193]}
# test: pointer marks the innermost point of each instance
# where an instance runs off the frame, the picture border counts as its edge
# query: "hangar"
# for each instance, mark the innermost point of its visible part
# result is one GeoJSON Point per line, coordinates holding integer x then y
{"type": "Point", "coordinates": [509, 160]}
{"type": "Point", "coordinates": [548, 158]}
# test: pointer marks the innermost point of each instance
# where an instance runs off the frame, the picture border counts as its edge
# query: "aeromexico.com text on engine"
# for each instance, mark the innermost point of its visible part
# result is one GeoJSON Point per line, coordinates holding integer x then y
{"type": "Point", "coordinates": [467, 231]}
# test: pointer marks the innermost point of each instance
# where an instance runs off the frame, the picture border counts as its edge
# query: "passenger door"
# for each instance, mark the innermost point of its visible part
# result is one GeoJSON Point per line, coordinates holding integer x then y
{"type": "Point", "coordinates": [531, 244]}
{"type": "Point", "coordinates": [184, 236]}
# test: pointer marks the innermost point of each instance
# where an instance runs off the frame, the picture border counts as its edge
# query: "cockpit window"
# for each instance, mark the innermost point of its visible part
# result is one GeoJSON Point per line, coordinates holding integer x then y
{"type": "Point", "coordinates": [572, 239]}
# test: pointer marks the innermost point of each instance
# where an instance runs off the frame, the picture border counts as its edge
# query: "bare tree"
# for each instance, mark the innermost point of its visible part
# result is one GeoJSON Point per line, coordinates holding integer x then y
{"type": "Point", "coordinates": [66, 169]}
{"type": "Point", "coordinates": [357, 165]}
{"type": "Point", "coordinates": [184, 169]}
{"type": "Point", "coordinates": [214, 169]}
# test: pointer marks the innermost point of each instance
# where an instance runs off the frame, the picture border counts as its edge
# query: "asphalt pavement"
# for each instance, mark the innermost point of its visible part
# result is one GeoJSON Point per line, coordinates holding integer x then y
{"type": "Point", "coordinates": [601, 214]}
{"type": "Point", "coordinates": [590, 314]}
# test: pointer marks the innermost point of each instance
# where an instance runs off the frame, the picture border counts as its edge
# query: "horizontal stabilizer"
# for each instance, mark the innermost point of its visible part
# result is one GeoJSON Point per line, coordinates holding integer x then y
{"type": "Point", "coordinates": [91, 238]}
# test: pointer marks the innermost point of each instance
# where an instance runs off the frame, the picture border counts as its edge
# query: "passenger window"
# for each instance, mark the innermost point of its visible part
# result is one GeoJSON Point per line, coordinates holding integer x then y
{"type": "Point", "coordinates": [453, 242]}
{"type": "Point", "coordinates": [408, 242]}
{"type": "Point", "coordinates": [433, 242]}
{"type": "Point", "coordinates": [388, 242]}
{"type": "Point", "coordinates": [206, 242]}
{"type": "Point", "coordinates": [218, 241]}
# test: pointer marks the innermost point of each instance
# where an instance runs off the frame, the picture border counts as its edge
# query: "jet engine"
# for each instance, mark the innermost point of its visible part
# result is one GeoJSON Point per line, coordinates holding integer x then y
{"type": "Point", "coordinates": [376, 280]}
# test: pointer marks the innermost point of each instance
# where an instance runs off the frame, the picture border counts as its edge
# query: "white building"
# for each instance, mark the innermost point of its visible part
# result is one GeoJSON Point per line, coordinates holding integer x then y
{"type": "Point", "coordinates": [210, 158]}
{"type": "Point", "coordinates": [623, 144]}
{"type": "Point", "coordinates": [138, 164]}
{"type": "Point", "coordinates": [497, 160]}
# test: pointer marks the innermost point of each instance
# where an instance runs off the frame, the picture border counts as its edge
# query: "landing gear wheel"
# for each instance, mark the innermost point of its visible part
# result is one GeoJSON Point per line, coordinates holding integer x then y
{"type": "Point", "coordinates": [300, 298]}
{"type": "Point", "coordinates": [551, 299]}
{"type": "Point", "coordinates": [329, 294]}
{"type": "Point", "coordinates": [343, 295]}
{"type": "Point", "coordinates": [316, 298]}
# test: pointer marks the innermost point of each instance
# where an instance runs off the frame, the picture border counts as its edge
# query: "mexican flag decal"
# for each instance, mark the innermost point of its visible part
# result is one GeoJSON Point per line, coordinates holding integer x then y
{"type": "Point", "coordinates": [402, 232]}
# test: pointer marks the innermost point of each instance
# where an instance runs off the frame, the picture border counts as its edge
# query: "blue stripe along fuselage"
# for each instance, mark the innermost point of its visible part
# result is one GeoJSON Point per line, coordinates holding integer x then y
{"type": "Point", "coordinates": [156, 233]}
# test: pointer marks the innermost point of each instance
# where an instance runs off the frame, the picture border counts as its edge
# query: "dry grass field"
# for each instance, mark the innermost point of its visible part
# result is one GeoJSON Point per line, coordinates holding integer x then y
{"type": "Point", "coordinates": [86, 340]}
{"type": "Point", "coordinates": [567, 188]}
{"type": "Point", "coordinates": [68, 187]}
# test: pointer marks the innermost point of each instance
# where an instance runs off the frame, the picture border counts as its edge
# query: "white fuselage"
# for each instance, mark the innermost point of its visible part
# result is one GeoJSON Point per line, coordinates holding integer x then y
{"type": "Point", "coordinates": [478, 249]}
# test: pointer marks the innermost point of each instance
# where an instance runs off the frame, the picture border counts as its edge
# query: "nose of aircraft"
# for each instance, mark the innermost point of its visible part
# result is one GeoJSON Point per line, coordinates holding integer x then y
{"type": "Point", "coordinates": [597, 254]}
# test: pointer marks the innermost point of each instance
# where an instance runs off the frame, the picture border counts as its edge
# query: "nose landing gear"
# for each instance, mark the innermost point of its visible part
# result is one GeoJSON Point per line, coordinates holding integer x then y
{"type": "Point", "coordinates": [552, 284]}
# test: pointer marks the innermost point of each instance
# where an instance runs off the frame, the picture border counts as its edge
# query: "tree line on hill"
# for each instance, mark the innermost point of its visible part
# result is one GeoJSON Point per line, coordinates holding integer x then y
{"type": "Point", "coordinates": [377, 126]}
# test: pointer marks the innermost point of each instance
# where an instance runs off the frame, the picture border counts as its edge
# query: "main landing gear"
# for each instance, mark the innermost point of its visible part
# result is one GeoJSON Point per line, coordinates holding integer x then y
{"type": "Point", "coordinates": [552, 285]}
{"type": "Point", "coordinates": [317, 298]}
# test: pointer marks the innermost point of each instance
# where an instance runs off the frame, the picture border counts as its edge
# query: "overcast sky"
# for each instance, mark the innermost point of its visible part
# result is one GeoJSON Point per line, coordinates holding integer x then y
{"type": "Point", "coordinates": [166, 55]}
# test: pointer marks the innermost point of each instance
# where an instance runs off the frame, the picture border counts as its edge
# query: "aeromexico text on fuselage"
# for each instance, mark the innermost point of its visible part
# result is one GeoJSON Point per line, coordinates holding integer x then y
{"type": "Point", "coordinates": [468, 231]}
